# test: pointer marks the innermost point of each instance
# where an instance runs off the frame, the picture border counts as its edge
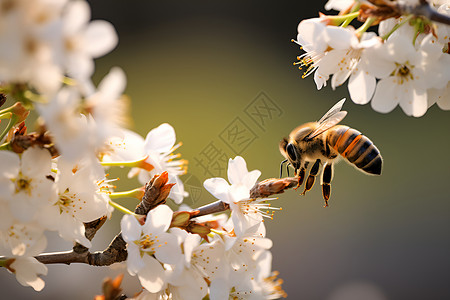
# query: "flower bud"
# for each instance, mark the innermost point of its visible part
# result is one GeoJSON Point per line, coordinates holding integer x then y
{"type": "Point", "coordinates": [180, 219]}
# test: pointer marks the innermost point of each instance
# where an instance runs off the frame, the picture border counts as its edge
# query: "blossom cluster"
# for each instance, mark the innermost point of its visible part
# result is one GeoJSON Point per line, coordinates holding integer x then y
{"type": "Point", "coordinates": [232, 262]}
{"type": "Point", "coordinates": [55, 179]}
{"type": "Point", "coordinates": [405, 63]}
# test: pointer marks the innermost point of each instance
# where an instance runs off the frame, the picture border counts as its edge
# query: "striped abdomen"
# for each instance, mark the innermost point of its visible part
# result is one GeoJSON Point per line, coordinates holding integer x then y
{"type": "Point", "coordinates": [356, 148]}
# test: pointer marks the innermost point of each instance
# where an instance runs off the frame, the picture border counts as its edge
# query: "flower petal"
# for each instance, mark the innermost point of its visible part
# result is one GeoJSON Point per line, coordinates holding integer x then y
{"type": "Point", "coordinates": [376, 62]}
{"type": "Point", "coordinates": [250, 178]}
{"type": "Point", "coordinates": [414, 103]}
{"type": "Point", "coordinates": [114, 84]}
{"type": "Point", "coordinates": [361, 86]}
{"type": "Point", "coordinates": [131, 229]}
{"type": "Point", "coordinates": [161, 138]}
{"type": "Point", "coordinates": [168, 251]}
{"type": "Point", "coordinates": [218, 187]}
{"type": "Point", "coordinates": [135, 262]}
{"type": "Point", "coordinates": [385, 98]}
{"type": "Point", "coordinates": [152, 277]}
{"type": "Point", "coordinates": [36, 162]}
{"type": "Point", "coordinates": [158, 220]}
{"type": "Point", "coordinates": [340, 37]}
{"type": "Point", "coordinates": [77, 16]}
{"type": "Point", "coordinates": [10, 163]}
{"type": "Point", "coordinates": [237, 169]}
{"type": "Point", "coordinates": [101, 37]}
{"type": "Point", "coordinates": [219, 289]}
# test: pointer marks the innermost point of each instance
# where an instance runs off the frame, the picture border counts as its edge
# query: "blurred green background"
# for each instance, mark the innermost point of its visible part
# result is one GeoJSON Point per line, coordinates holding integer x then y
{"type": "Point", "coordinates": [208, 68]}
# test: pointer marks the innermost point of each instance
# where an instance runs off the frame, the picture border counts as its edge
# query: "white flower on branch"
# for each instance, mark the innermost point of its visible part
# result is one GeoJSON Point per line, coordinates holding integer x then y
{"type": "Point", "coordinates": [23, 239]}
{"type": "Point", "coordinates": [240, 264]}
{"type": "Point", "coordinates": [83, 41]}
{"type": "Point", "coordinates": [27, 271]}
{"type": "Point", "coordinates": [26, 38]}
{"type": "Point", "coordinates": [43, 40]}
{"type": "Point", "coordinates": [403, 73]}
{"type": "Point", "coordinates": [158, 146]}
{"type": "Point", "coordinates": [81, 198]}
{"type": "Point", "coordinates": [187, 278]}
{"type": "Point", "coordinates": [69, 128]}
{"type": "Point", "coordinates": [336, 51]}
{"type": "Point", "coordinates": [149, 246]}
{"type": "Point", "coordinates": [241, 251]}
{"type": "Point", "coordinates": [24, 183]}
{"type": "Point", "coordinates": [108, 108]}
{"type": "Point", "coordinates": [313, 40]}
{"type": "Point", "coordinates": [245, 212]}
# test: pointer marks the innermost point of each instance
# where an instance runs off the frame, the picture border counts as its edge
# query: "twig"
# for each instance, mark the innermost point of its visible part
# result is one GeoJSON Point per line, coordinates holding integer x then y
{"type": "Point", "coordinates": [211, 208]}
{"type": "Point", "coordinates": [424, 9]}
{"type": "Point", "coordinates": [387, 9]}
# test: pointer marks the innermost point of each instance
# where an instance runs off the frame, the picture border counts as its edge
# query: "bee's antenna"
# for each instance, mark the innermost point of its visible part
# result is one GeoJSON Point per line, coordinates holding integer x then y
{"type": "Point", "coordinates": [281, 167]}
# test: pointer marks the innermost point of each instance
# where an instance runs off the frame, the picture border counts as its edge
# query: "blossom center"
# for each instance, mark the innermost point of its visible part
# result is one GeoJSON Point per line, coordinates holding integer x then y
{"type": "Point", "coordinates": [404, 72]}
{"type": "Point", "coordinates": [64, 200]}
{"type": "Point", "coordinates": [23, 184]}
{"type": "Point", "coordinates": [146, 242]}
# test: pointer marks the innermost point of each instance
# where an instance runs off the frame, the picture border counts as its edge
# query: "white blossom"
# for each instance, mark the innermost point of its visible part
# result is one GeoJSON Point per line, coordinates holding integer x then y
{"type": "Point", "coordinates": [187, 278]}
{"type": "Point", "coordinates": [336, 51]}
{"type": "Point", "coordinates": [403, 73]}
{"type": "Point", "coordinates": [23, 239]}
{"type": "Point", "coordinates": [24, 183]}
{"type": "Point", "coordinates": [69, 128]}
{"type": "Point", "coordinates": [81, 199]}
{"type": "Point", "coordinates": [144, 241]}
{"type": "Point", "coordinates": [83, 40]}
{"type": "Point", "coordinates": [108, 108]}
{"type": "Point", "coordinates": [27, 35]}
{"type": "Point", "coordinates": [159, 146]}
{"type": "Point", "coordinates": [245, 212]}
{"type": "Point", "coordinates": [42, 40]}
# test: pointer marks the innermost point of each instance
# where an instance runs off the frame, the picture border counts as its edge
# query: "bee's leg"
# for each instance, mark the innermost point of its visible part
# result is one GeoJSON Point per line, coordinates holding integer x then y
{"type": "Point", "coordinates": [312, 176]}
{"type": "Point", "coordinates": [327, 175]}
{"type": "Point", "coordinates": [281, 167]}
{"type": "Point", "coordinates": [301, 174]}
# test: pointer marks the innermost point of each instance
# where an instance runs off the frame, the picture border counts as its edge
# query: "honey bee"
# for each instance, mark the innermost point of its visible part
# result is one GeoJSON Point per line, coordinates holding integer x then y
{"type": "Point", "coordinates": [321, 143]}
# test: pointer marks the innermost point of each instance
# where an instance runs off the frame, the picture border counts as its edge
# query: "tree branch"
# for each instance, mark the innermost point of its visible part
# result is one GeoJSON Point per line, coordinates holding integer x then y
{"type": "Point", "coordinates": [387, 9]}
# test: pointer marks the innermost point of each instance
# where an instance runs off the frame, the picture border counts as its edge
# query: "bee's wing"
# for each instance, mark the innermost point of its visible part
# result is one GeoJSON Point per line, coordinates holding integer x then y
{"type": "Point", "coordinates": [335, 109]}
{"type": "Point", "coordinates": [331, 118]}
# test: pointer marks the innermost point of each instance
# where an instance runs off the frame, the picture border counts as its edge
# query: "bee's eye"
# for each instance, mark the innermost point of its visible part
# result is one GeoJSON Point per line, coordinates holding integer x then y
{"type": "Point", "coordinates": [291, 152]}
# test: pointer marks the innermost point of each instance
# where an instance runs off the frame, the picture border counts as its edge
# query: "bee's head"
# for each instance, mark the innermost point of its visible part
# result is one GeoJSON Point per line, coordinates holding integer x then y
{"type": "Point", "coordinates": [289, 150]}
